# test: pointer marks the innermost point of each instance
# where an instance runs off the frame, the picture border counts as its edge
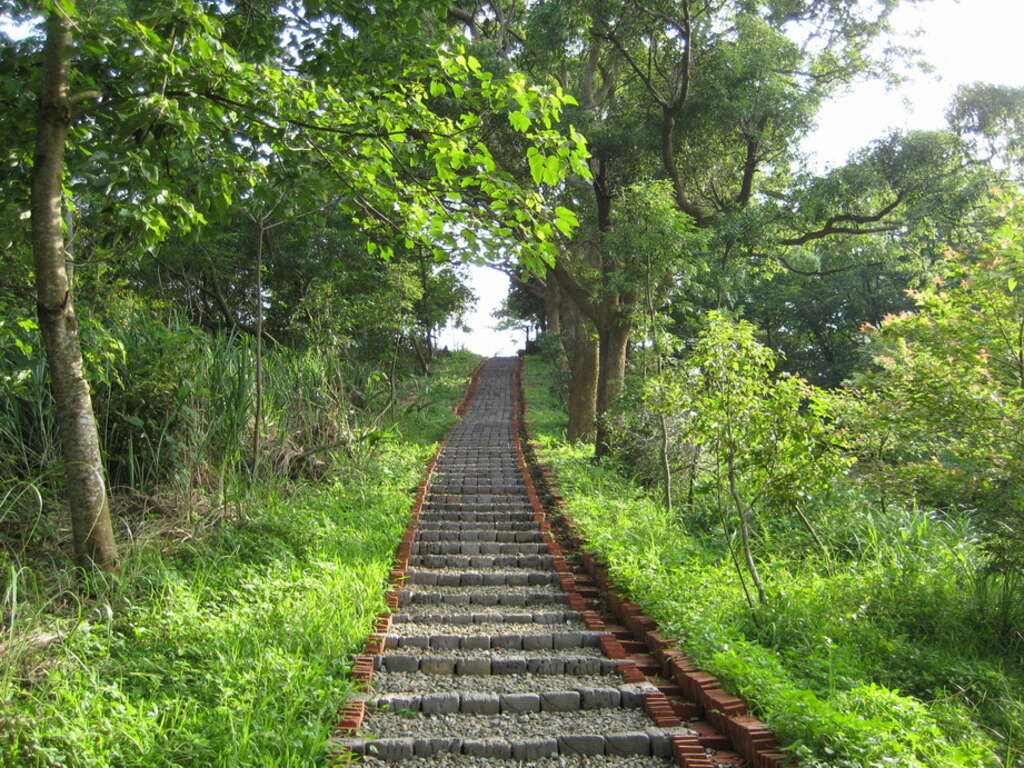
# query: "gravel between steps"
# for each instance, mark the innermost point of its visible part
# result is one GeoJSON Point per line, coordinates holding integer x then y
{"type": "Point", "coordinates": [500, 653]}
{"type": "Point", "coordinates": [417, 682]}
{"type": "Point", "coordinates": [407, 629]}
{"type": "Point", "coordinates": [387, 725]}
{"type": "Point", "coordinates": [574, 761]}
{"type": "Point", "coordinates": [539, 589]}
{"type": "Point", "coordinates": [436, 611]}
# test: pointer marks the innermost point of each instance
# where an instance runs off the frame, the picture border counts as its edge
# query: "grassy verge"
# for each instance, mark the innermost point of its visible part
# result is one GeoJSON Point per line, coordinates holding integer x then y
{"type": "Point", "coordinates": [226, 645]}
{"type": "Point", "coordinates": [888, 660]}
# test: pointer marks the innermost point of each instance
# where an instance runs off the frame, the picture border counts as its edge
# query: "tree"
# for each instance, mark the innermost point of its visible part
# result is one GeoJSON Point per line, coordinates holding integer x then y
{"type": "Point", "coordinates": [939, 414]}
{"type": "Point", "coordinates": [713, 98]}
{"type": "Point", "coordinates": [173, 123]}
{"type": "Point", "coordinates": [769, 440]}
{"type": "Point", "coordinates": [87, 495]}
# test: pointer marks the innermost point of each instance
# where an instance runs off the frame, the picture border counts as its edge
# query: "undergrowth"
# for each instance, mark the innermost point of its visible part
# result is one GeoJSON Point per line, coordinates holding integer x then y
{"type": "Point", "coordinates": [900, 653]}
{"type": "Point", "coordinates": [223, 643]}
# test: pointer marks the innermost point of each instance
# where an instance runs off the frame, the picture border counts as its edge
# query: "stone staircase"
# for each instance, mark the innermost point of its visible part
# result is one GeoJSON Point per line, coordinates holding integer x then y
{"type": "Point", "coordinates": [491, 654]}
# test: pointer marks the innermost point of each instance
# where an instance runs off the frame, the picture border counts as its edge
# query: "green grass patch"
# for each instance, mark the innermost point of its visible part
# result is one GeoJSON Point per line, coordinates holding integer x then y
{"type": "Point", "coordinates": [228, 645]}
{"type": "Point", "coordinates": [899, 657]}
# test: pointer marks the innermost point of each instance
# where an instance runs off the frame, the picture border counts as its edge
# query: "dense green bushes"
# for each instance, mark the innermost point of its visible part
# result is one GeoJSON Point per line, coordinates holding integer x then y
{"type": "Point", "coordinates": [899, 649]}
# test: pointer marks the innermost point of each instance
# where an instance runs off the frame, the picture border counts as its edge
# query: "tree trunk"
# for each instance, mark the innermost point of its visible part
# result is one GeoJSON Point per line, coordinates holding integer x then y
{"type": "Point", "coordinates": [613, 338]}
{"type": "Point", "coordinates": [582, 405]}
{"type": "Point", "coordinates": [552, 307]}
{"type": "Point", "coordinates": [92, 533]}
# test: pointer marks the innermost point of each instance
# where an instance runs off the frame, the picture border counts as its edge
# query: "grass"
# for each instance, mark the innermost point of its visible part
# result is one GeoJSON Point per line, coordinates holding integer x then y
{"type": "Point", "coordinates": [907, 654]}
{"type": "Point", "coordinates": [223, 644]}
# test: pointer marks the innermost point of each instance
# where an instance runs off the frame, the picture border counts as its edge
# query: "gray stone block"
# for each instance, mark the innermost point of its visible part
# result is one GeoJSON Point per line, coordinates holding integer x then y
{"type": "Point", "coordinates": [517, 600]}
{"type": "Point", "coordinates": [492, 579]}
{"type": "Point", "coordinates": [473, 666]}
{"type": "Point", "coordinates": [391, 749]}
{"type": "Point", "coordinates": [445, 642]}
{"type": "Point", "coordinates": [661, 743]}
{"type": "Point", "coordinates": [449, 579]}
{"type": "Point", "coordinates": [459, 619]}
{"type": "Point", "coordinates": [560, 701]}
{"type": "Point", "coordinates": [399, 662]}
{"type": "Point", "coordinates": [439, 703]}
{"type": "Point", "coordinates": [623, 744]}
{"type": "Point", "coordinates": [423, 577]}
{"type": "Point", "coordinates": [520, 702]}
{"type": "Point", "coordinates": [457, 598]}
{"type": "Point", "coordinates": [497, 749]}
{"type": "Point", "coordinates": [481, 703]}
{"type": "Point", "coordinates": [418, 641]}
{"type": "Point", "coordinates": [585, 666]}
{"type": "Point", "coordinates": [517, 579]}
{"type": "Point", "coordinates": [471, 579]}
{"type": "Point", "coordinates": [547, 666]}
{"type": "Point", "coordinates": [431, 747]}
{"type": "Point", "coordinates": [398, 702]}
{"type": "Point", "coordinates": [537, 642]}
{"type": "Point", "coordinates": [537, 579]}
{"type": "Point", "coordinates": [437, 665]}
{"type": "Point", "coordinates": [632, 694]}
{"type": "Point", "coordinates": [476, 643]}
{"type": "Point", "coordinates": [490, 548]}
{"type": "Point", "coordinates": [566, 639]}
{"type": "Point", "coordinates": [484, 598]}
{"type": "Point", "coordinates": [519, 618]}
{"type": "Point", "coordinates": [582, 744]}
{"type": "Point", "coordinates": [514, 665]}
{"type": "Point", "coordinates": [507, 641]}
{"type": "Point", "coordinates": [599, 698]}
{"type": "Point", "coordinates": [534, 749]}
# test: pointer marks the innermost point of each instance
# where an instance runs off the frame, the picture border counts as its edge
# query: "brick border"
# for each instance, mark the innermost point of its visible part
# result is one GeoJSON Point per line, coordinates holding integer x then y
{"type": "Point", "coordinates": [649, 650]}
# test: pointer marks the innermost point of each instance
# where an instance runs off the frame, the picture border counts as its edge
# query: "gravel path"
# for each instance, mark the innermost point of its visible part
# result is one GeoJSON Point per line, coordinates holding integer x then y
{"type": "Point", "coordinates": [478, 660]}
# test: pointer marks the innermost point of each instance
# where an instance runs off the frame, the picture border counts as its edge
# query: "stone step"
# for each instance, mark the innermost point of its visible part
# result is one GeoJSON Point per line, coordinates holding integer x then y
{"type": "Point", "coordinates": [496, 662]}
{"type": "Point", "coordinates": [519, 699]}
{"type": "Point", "coordinates": [477, 548]}
{"type": "Point", "coordinates": [480, 578]}
{"type": "Point", "coordinates": [468, 596]}
{"type": "Point", "coordinates": [525, 736]}
{"type": "Point", "coordinates": [472, 514]}
{"type": "Point", "coordinates": [523, 639]}
{"type": "Point", "coordinates": [480, 534]}
{"type": "Point", "coordinates": [470, 562]}
{"type": "Point", "coordinates": [447, 760]}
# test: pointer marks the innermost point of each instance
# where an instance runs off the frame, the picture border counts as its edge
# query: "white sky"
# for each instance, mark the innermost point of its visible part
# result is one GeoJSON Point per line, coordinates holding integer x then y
{"type": "Point", "coordinates": [965, 42]}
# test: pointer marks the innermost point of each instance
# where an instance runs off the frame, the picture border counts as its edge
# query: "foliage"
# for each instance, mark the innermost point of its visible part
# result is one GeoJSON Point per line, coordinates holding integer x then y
{"type": "Point", "coordinates": [938, 417]}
